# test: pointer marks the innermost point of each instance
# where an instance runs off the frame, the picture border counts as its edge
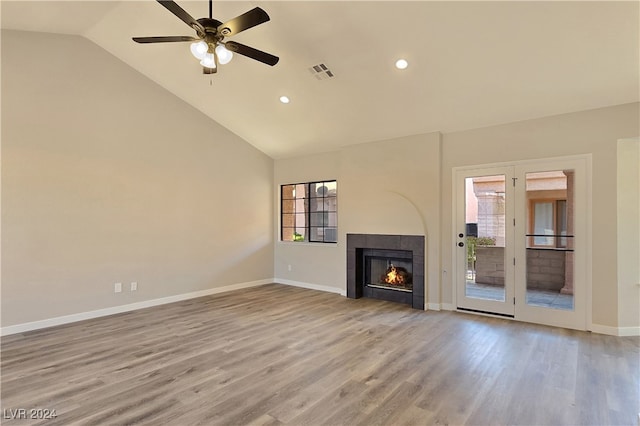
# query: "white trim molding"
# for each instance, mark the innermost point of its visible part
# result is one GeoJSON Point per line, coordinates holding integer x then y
{"type": "Point", "coordinates": [66, 319]}
{"type": "Point", "coordinates": [325, 288]}
{"type": "Point", "coordinates": [615, 331]}
{"type": "Point", "coordinates": [628, 331]}
{"type": "Point", "coordinates": [440, 307]}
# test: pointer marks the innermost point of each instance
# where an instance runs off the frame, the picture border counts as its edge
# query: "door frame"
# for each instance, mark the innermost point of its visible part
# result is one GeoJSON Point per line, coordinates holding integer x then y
{"type": "Point", "coordinates": [587, 272]}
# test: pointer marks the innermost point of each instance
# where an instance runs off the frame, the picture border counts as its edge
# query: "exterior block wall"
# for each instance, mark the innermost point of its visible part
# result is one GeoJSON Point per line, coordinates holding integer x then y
{"type": "Point", "coordinates": [545, 268]}
{"type": "Point", "coordinates": [490, 265]}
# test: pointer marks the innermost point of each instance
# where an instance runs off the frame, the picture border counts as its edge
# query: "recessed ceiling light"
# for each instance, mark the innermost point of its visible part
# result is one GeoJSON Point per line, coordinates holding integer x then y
{"type": "Point", "coordinates": [401, 64]}
{"type": "Point", "coordinates": [284, 99]}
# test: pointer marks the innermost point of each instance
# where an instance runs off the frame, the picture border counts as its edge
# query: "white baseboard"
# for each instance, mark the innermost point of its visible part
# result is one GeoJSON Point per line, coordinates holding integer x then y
{"type": "Point", "coordinates": [615, 331]}
{"type": "Point", "coordinates": [66, 319]}
{"type": "Point", "coordinates": [440, 307]}
{"type": "Point", "coordinates": [447, 307]}
{"type": "Point", "coordinates": [433, 306]}
{"type": "Point", "coordinates": [628, 331]}
{"type": "Point", "coordinates": [311, 286]}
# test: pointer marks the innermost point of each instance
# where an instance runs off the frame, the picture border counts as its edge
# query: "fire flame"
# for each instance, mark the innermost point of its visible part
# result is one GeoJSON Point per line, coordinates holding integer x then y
{"type": "Point", "coordinates": [393, 277]}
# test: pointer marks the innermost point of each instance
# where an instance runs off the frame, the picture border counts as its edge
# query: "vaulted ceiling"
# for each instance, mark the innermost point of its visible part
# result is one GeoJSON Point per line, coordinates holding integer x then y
{"type": "Point", "coordinates": [471, 64]}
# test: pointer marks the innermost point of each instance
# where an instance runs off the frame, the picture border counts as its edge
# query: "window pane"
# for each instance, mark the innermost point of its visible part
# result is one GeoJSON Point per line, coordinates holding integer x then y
{"type": "Point", "coordinates": [300, 220]}
{"type": "Point", "coordinates": [331, 203]}
{"type": "Point", "coordinates": [543, 223]}
{"type": "Point", "coordinates": [318, 190]}
{"type": "Point", "coordinates": [316, 205]}
{"type": "Point", "coordinates": [288, 220]}
{"type": "Point", "coordinates": [317, 219]}
{"type": "Point", "coordinates": [316, 234]}
{"type": "Point", "coordinates": [288, 206]}
{"type": "Point", "coordinates": [330, 235]}
{"type": "Point", "coordinates": [287, 234]}
{"type": "Point", "coordinates": [288, 192]}
{"type": "Point", "coordinates": [299, 234]}
{"type": "Point", "coordinates": [549, 259]}
{"type": "Point", "coordinates": [331, 219]}
{"type": "Point", "coordinates": [300, 191]}
{"type": "Point", "coordinates": [332, 188]}
{"type": "Point", "coordinates": [485, 214]}
{"type": "Point", "coordinates": [562, 221]}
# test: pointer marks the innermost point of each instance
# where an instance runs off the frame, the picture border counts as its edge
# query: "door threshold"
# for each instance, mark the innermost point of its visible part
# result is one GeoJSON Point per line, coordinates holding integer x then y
{"type": "Point", "coordinates": [476, 311]}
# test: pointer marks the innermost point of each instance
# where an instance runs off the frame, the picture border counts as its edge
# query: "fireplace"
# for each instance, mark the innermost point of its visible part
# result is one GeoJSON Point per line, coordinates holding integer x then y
{"type": "Point", "coordinates": [387, 267]}
{"type": "Point", "coordinates": [392, 269]}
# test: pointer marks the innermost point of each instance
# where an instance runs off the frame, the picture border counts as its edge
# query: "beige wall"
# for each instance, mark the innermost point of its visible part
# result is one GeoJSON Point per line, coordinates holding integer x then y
{"type": "Point", "coordinates": [388, 187]}
{"type": "Point", "coordinates": [369, 183]}
{"type": "Point", "coordinates": [629, 232]}
{"type": "Point", "coordinates": [107, 177]}
{"type": "Point", "coordinates": [311, 263]}
{"type": "Point", "coordinates": [595, 132]}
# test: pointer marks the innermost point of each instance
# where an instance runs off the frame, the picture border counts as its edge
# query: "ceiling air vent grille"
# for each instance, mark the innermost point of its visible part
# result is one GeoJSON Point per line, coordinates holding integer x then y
{"type": "Point", "coordinates": [321, 72]}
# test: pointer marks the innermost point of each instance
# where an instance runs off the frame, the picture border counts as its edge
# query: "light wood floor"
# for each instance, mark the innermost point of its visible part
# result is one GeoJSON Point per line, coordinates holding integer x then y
{"type": "Point", "coordinates": [283, 355]}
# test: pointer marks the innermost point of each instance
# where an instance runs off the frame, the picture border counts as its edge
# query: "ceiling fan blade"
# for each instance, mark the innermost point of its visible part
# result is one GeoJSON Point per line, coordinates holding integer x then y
{"type": "Point", "coordinates": [255, 16]}
{"type": "Point", "coordinates": [206, 70]}
{"type": "Point", "coordinates": [167, 39]}
{"type": "Point", "coordinates": [250, 52]}
{"type": "Point", "coordinates": [184, 16]}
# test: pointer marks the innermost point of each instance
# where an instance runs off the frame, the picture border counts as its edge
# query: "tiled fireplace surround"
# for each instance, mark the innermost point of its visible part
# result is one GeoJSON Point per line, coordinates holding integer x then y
{"type": "Point", "coordinates": [356, 243]}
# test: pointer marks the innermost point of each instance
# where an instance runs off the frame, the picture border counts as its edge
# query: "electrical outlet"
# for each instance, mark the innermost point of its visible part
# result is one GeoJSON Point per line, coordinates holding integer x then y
{"type": "Point", "coordinates": [289, 268]}
{"type": "Point", "coordinates": [117, 288]}
{"type": "Point", "coordinates": [134, 286]}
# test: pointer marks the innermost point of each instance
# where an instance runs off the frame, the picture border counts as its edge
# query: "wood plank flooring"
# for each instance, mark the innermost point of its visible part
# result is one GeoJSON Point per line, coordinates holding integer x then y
{"type": "Point", "coordinates": [274, 355]}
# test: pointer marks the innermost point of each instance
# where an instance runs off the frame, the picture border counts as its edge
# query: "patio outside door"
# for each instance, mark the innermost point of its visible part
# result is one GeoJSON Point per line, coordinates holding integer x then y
{"type": "Point", "coordinates": [521, 241]}
{"type": "Point", "coordinates": [484, 242]}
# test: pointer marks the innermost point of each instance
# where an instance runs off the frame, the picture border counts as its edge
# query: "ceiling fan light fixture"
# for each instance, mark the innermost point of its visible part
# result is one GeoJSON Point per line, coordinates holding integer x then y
{"type": "Point", "coordinates": [199, 48]}
{"type": "Point", "coordinates": [224, 54]}
{"type": "Point", "coordinates": [209, 60]}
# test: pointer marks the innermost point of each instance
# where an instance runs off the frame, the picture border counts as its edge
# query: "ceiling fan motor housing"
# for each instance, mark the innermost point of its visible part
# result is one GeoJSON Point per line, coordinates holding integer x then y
{"type": "Point", "coordinates": [211, 29]}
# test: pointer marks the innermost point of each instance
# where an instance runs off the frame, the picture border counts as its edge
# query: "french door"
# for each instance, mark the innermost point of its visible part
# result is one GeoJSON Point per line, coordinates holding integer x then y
{"type": "Point", "coordinates": [484, 248]}
{"type": "Point", "coordinates": [521, 241]}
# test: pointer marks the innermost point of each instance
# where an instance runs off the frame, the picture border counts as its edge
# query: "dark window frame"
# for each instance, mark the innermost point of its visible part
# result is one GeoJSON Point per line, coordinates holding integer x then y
{"type": "Point", "coordinates": [315, 206]}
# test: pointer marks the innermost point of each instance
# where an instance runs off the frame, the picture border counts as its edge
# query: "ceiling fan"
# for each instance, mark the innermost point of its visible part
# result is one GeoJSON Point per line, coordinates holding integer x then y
{"type": "Point", "coordinates": [209, 46]}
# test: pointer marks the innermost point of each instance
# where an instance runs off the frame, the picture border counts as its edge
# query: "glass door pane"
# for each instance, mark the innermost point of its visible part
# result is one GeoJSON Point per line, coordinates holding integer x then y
{"type": "Point", "coordinates": [549, 239]}
{"type": "Point", "coordinates": [485, 237]}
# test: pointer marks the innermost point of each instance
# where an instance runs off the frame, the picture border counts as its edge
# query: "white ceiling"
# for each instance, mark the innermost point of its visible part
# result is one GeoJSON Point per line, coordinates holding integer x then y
{"type": "Point", "coordinates": [471, 64]}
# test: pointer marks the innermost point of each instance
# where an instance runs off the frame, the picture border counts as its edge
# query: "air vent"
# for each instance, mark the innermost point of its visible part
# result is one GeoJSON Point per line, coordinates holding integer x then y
{"type": "Point", "coordinates": [321, 72]}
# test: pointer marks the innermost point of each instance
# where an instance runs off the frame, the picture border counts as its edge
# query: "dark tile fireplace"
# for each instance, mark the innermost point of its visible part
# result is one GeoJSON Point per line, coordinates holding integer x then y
{"type": "Point", "coordinates": [387, 267]}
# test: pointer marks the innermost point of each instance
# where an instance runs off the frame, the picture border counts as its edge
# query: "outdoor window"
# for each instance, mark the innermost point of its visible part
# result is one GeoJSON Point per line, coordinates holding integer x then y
{"type": "Point", "coordinates": [549, 223]}
{"type": "Point", "coordinates": [309, 212]}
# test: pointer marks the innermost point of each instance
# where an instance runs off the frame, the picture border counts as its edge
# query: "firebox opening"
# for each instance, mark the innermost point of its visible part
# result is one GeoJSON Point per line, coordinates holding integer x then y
{"type": "Point", "coordinates": [393, 271]}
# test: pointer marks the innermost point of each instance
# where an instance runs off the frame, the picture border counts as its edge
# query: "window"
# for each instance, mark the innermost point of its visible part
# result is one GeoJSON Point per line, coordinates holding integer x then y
{"type": "Point", "coordinates": [309, 212]}
{"type": "Point", "coordinates": [549, 217]}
